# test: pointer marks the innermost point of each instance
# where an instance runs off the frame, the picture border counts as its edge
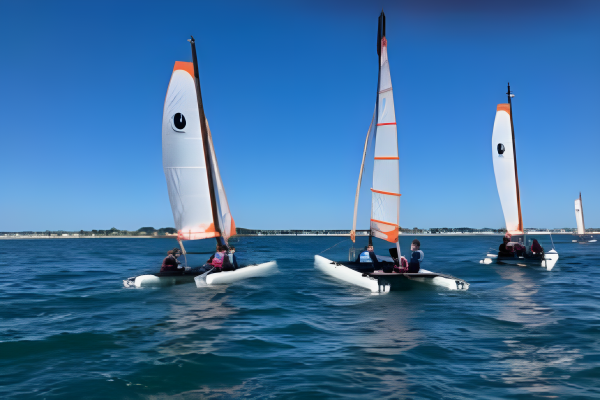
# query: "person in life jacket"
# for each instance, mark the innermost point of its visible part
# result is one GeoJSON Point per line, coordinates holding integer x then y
{"type": "Point", "coordinates": [368, 256]}
{"type": "Point", "coordinates": [232, 258]}
{"type": "Point", "coordinates": [220, 260]}
{"type": "Point", "coordinates": [413, 265]}
{"type": "Point", "coordinates": [171, 263]}
{"type": "Point", "coordinates": [536, 248]}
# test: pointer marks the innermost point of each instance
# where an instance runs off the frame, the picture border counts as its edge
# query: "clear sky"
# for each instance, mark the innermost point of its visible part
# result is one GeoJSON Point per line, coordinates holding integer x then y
{"type": "Point", "coordinates": [289, 91]}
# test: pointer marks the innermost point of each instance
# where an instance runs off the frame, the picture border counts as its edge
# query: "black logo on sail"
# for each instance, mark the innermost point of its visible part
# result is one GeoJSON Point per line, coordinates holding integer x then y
{"type": "Point", "coordinates": [179, 121]}
{"type": "Point", "coordinates": [501, 148]}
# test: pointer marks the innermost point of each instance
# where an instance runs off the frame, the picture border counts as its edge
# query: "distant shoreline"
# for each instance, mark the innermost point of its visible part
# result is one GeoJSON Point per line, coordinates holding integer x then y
{"type": "Point", "coordinates": [286, 235]}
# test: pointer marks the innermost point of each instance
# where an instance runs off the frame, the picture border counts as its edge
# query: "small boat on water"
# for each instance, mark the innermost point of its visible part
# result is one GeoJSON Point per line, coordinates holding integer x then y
{"type": "Point", "coordinates": [385, 199]}
{"type": "Point", "coordinates": [582, 237]}
{"type": "Point", "coordinates": [196, 190]}
{"type": "Point", "coordinates": [524, 251]}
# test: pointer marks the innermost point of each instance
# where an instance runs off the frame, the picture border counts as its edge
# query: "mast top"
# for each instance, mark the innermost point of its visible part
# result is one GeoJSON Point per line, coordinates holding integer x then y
{"type": "Point", "coordinates": [509, 93]}
{"type": "Point", "coordinates": [380, 31]}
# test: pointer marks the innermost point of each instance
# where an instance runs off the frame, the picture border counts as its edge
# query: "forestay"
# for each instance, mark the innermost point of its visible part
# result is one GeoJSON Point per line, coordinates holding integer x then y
{"type": "Point", "coordinates": [503, 154]}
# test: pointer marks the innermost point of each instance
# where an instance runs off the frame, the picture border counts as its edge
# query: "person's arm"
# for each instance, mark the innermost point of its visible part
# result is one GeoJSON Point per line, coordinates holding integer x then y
{"type": "Point", "coordinates": [210, 259]}
{"type": "Point", "coordinates": [374, 258]}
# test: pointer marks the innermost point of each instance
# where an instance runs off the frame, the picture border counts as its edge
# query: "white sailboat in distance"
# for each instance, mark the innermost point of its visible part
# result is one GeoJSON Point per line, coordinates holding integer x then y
{"type": "Point", "coordinates": [196, 190]}
{"type": "Point", "coordinates": [519, 250]}
{"type": "Point", "coordinates": [582, 237]}
{"type": "Point", "coordinates": [385, 198]}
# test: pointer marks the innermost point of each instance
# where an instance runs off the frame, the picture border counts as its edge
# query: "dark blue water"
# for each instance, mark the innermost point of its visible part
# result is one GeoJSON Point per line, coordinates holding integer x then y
{"type": "Point", "coordinates": [70, 330]}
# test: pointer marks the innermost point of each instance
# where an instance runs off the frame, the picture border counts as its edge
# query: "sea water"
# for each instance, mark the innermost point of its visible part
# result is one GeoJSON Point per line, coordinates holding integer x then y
{"type": "Point", "coordinates": [69, 329]}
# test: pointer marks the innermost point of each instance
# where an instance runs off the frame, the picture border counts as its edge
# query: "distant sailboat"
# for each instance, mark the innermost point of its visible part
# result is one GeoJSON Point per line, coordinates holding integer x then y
{"type": "Point", "coordinates": [504, 156]}
{"type": "Point", "coordinates": [196, 191]}
{"type": "Point", "coordinates": [582, 236]}
{"type": "Point", "coordinates": [385, 195]}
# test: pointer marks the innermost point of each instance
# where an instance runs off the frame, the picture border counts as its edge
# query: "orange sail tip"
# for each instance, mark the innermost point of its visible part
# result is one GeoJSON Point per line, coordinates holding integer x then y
{"type": "Point", "coordinates": [184, 66]}
{"type": "Point", "coordinates": [353, 235]}
{"type": "Point", "coordinates": [504, 107]}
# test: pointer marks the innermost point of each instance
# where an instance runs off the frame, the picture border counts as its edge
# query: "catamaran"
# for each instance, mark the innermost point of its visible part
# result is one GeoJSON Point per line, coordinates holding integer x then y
{"type": "Point", "coordinates": [385, 198]}
{"type": "Point", "coordinates": [196, 190]}
{"type": "Point", "coordinates": [582, 237]}
{"type": "Point", "coordinates": [519, 250]}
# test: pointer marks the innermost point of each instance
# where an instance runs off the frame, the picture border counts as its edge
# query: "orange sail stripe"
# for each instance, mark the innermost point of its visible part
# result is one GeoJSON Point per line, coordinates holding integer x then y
{"type": "Point", "coordinates": [388, 193]}
{"type": "Point", "coordinates": [387, 158]}
{"type": "Point", "coordinates": [184, 66]}
{"type": "Point", "coordinates": [383, 222]}
{"type": "Point", "coordinates": [386, 123]}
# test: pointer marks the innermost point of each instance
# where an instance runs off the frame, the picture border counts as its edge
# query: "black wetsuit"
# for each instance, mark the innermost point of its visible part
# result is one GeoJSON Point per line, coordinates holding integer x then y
{"type": "Point", "coordinates": [414, 265]}
{"type": "Point", "coordinates": [170, 264]}
{"type": "Point", "coordinates": [502, 252]}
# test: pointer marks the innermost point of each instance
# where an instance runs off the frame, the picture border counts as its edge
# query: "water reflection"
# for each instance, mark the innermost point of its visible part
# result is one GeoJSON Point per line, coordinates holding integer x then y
{"type": "Point", "coordinates": [527, 356]}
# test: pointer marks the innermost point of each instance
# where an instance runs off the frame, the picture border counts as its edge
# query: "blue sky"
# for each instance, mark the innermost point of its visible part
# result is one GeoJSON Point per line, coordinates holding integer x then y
{"type": "Point", "coordinates": [289, 90]}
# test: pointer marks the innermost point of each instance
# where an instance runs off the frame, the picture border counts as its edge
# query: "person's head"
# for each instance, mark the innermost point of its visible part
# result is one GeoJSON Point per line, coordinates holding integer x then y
{"type": "Point", "coordinates": [219, 247]}
{"type": "Point", "coordinates": [232, 249]}
{"type": "Point", "coordinates": [370, 247]}
{"type": "Point", "coordinates": [415, 245]}
{"type": "Point", "coordinates": [176, 252]}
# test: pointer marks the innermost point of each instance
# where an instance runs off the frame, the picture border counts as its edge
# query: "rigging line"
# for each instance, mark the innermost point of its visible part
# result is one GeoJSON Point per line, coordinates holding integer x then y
{"type": "Point", "coordinates": [333, 246]}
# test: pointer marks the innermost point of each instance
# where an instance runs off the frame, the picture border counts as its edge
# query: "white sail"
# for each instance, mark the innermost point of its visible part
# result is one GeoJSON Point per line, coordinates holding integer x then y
{"type": "Point", "coordinates": [505, 169]}
{"type": "Point", "coordinates": [385, 202]}
{"type": "Point", "coordinates": [579, 216]}
{"type": "Point", "coordinates": [226, 220]}
{"type": "Point", "coordinates": [183, 158]}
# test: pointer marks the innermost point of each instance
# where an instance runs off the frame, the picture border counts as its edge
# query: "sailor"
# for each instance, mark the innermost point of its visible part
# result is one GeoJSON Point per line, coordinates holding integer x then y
{"type": "Point", "coordinates": [502, 250]}
{"type": "Point", "coordinates": [220, 260]}
{"type": "Point", "coordinates": [216, 260]}
{"type": "Point", "coordinates": [232, 258]}
{"type": "Point", "coordinates": [413, 265]}
{"type": "Point", "coordinates": [368, 256]}
{"type": "Point", "coordinates": [171, 263]}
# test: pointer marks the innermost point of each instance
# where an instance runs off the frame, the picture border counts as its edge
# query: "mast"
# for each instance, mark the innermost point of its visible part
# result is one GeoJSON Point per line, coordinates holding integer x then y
{"type": "Point", "coordinates": [380, 35]}
{"type": "Point", "coordinates": [512, 128]}
{"type": "Point", "coordinates": [207, 155]}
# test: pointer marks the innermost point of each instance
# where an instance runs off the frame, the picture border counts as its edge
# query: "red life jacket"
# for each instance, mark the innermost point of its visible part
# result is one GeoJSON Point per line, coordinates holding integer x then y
{"type": "Point", "coordinates": [217, 260]}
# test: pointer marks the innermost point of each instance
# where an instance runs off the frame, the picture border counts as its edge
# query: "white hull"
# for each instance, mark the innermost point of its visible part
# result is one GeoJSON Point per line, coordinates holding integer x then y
{"type": "Point", "coordinates": [549, 261]}
{"type": "Point", "coordinates": [157, 281]}
{"type": "Point", "coordinates": [384, 283]}
{"type": "Point", "coordinates": [227, 277]}
{"type": "Point", "coordinates": [446, 282]}
{"type": "Point", "coordinates": [348, 275]}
